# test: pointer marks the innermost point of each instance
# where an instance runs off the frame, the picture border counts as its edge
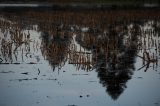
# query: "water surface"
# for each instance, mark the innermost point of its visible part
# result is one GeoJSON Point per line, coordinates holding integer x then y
{"type": "Point", "coordinates": [59, 60]}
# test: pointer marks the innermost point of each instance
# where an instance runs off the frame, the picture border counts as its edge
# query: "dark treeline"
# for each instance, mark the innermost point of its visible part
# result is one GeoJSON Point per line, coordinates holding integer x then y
{"type": "Point", "coordinates": [91, 1]}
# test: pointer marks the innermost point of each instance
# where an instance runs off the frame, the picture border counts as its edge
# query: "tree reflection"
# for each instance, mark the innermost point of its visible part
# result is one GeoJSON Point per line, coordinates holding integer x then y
{"type": "Point", "coordinates": [113, 56]}
{"type": "Point", "coordinates": [55, 48]}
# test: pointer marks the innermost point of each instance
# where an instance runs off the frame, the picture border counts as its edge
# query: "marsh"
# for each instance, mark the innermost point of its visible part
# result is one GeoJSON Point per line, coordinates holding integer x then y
{"type": "Point", "coordinates": [80, 58]}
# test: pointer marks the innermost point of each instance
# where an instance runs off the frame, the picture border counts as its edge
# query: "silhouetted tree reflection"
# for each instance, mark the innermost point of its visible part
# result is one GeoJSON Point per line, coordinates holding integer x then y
{"type": "Point", "coordinates": [113, 59]}
{"type": "Point", "coordinates": [114, 75]}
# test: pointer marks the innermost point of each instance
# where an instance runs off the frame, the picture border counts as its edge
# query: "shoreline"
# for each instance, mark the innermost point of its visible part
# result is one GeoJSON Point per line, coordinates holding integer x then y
{"type": "Point", "coordinates": [76, 6]}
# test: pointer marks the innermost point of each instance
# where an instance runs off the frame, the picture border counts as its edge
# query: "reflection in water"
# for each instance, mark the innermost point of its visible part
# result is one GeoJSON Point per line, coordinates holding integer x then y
{"type": "Point", "coordinates": [54, 49]}
{"type": "Point", "coordinates": [118, 62]}
{"type": "Point", "coordinates": [110, 50]}
{"type": "Point", "coordinates": [113, 57]}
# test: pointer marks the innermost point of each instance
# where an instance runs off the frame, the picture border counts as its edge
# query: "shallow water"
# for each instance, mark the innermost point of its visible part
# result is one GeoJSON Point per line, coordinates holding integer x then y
{"type": "Point", "coordinates": [118, 66]}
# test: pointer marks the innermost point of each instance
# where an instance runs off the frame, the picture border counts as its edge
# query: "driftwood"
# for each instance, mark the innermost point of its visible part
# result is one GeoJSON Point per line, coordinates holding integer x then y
{"type": "Point", "coordinates": [148, 60]}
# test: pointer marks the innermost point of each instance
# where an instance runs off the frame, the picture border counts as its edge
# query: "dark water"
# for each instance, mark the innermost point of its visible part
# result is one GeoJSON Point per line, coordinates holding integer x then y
{"type": "Point", "coordinates": [43, 62]}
